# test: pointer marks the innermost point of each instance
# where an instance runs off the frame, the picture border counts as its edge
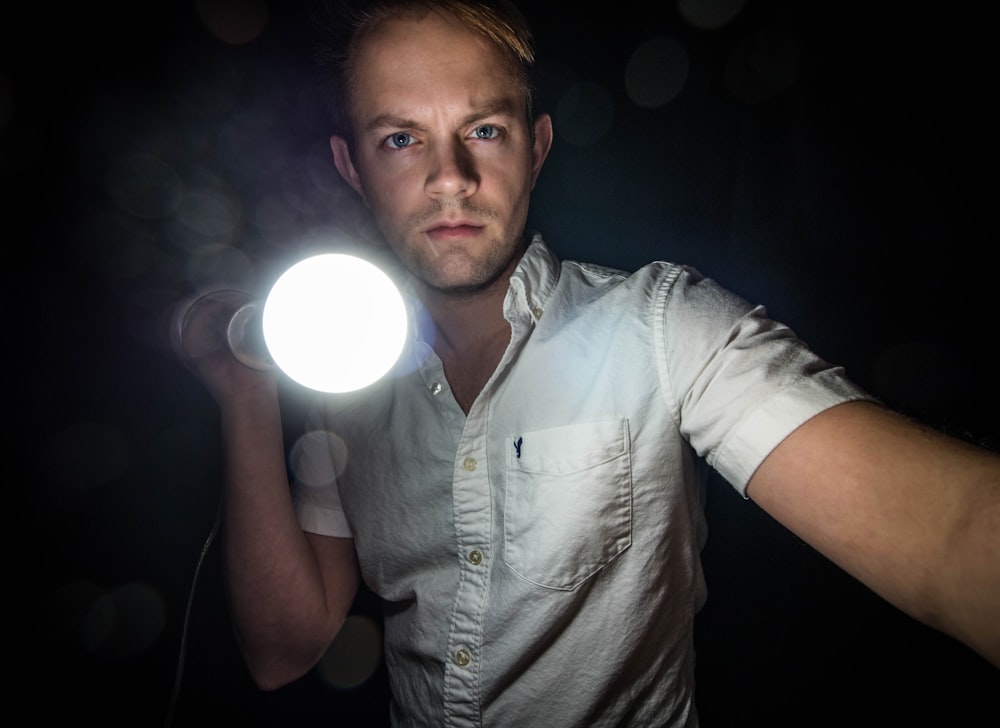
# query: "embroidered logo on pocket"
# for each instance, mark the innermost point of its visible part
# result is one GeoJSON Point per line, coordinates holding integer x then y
{"type": "Point", "coordinates": [568, 504]}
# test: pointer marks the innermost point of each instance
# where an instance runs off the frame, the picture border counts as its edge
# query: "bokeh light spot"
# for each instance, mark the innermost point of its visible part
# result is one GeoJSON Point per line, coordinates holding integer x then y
{"type": "Point", "coordinates": [210, 212]}
{"type": "Point", "coordinates": [354, 655]}
{"type": "Point", "coordinates": [80, 619]}
{"type": "Point", "coordinates": [144, 186]}
{"type": "Point", "coordinates": [763, 65]}
{"type": "Point", "coordinates": [139, 618]}
{"type": "Point", "coordinates": [317, 472]}
{"type": "Point", "coordinates": [233, 21]}
{"type": "Point", "coordinates": [656, 72]}
{"type": "Point", "coordinates": [72, 620]}
{"type": "Point", "coordinates": [584, 113]}
{"type": "Point", "coordinates": [710, 14]}
{"type": "Point", "coordinates": [213, 263]}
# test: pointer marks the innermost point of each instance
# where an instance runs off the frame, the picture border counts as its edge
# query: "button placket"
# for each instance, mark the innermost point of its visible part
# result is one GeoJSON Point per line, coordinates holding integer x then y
{"type": "Point", "coordinates": [472, 524]}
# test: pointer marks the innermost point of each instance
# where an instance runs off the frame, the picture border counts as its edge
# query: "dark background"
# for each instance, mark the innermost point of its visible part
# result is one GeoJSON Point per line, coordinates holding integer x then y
{"type": "Point", "coordinates": [835, 163]}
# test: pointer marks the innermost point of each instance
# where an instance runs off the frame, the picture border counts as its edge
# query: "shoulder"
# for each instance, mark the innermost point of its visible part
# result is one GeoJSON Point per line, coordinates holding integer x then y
{"type": "Point", "coordinates": [652, 280]}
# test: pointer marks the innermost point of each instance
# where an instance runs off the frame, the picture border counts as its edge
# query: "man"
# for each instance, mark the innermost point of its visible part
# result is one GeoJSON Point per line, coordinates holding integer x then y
{"type": "Point", "coordinates": [524, 493]}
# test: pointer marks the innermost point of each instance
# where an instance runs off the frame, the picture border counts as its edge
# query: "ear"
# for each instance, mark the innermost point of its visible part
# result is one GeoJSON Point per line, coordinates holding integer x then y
{"type": "Point", "coordinates": [543, 143]}
{"type": "Point", "coordinates": [345, 165]}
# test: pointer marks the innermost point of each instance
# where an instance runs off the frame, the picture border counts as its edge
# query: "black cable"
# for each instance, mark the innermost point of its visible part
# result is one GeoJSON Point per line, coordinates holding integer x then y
{"type": "Point", "coordinates": [187, 617]}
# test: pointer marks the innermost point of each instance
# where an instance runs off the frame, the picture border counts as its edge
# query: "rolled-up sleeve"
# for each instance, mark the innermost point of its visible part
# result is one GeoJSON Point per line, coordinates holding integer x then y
{"type": "Point", "coordinates": [316, 459]}
{"type": "Point", "coordinates": [741, 381]}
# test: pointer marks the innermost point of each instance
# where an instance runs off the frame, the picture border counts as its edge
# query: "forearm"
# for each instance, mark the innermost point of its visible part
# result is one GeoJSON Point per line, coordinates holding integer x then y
{"type": "Point", "coordinates": [967, 586]}
{"type": "Point", "coordinates": [908, 511]}
{"type": "Point", "coordinates": [277, 592]}
{"type": "Point", "coordinates": [289, 592]}
{"type": "Point", "coordinates": [936, 551]}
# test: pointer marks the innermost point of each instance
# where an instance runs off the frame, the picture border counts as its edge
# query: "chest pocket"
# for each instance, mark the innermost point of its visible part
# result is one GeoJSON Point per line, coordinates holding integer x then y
{"type": "Point", "coordinates": [568, 506]}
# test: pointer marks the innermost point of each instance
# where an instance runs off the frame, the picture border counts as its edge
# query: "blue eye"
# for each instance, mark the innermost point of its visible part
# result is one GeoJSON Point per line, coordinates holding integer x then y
{"type": "Point", "coordinates": [486, 131]}
{"type": "Point", "coordinates": [399, 140]}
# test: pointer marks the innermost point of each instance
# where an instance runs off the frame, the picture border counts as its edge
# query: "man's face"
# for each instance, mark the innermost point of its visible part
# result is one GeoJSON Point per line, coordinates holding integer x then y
{"type": "Point", "coordinates": [443, 155]}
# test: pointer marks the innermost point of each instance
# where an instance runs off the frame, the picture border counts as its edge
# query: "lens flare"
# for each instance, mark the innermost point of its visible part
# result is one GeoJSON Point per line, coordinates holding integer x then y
{"type": "Point", "coordinates": [334, 323]}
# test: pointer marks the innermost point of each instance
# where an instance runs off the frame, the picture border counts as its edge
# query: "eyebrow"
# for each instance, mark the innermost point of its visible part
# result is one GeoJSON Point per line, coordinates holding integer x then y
{"type": "Point", "coordinates": [393, 121]}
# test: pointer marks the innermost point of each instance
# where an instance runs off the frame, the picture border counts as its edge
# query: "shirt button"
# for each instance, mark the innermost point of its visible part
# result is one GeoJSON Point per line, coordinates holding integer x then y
{"type": "Point", "coordinates": [463, 658]}
{"type": "Point", "coordinates": [435, 388]}
{"type": "Point", "coordinates": [475, 557]}
{"type": "Point", "coordinates": [537, 312]}
{"type": "Point", "coordinates": [470, 464]}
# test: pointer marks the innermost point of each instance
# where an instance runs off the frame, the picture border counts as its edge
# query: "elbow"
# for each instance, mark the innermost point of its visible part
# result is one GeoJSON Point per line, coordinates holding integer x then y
{"type": "Point", "coordinates": [270, 675]}
{"type": "Point", "coordinates": [269, 682]}
{"type": "Point", "coordinates": [273, 667]}
{"type": "Point", "coordinates": [275, 661]}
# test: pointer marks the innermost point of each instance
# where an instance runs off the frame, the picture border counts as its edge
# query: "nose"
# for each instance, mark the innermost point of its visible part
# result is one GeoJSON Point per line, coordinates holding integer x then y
{"type": "Point", "coordinates": [452, 173]}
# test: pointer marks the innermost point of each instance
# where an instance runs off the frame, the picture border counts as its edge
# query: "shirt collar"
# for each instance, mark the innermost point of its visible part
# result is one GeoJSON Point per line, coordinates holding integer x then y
{"type": "Point", "coordinates": [532, 282]}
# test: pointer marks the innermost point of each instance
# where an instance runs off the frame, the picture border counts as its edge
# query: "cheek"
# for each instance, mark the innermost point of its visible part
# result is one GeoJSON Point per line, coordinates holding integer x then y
{"type": "Point", "coordinates": [390, 194]}
{"type": "Point", "coordinates": [511, 175]}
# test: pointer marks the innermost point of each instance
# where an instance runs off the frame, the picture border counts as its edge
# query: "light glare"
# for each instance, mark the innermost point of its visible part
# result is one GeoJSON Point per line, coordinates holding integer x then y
{"type": "Point", "coordinates": [334, 323]}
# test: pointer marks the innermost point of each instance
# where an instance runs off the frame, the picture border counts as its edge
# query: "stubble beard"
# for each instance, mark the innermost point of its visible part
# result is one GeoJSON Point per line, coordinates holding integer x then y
{"type": "Point", "coordinates": [449, 267]}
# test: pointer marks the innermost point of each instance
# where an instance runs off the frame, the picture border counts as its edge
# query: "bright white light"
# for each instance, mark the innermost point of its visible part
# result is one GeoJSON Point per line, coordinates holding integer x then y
{"type": "Point", "coordinates": [334, 323]}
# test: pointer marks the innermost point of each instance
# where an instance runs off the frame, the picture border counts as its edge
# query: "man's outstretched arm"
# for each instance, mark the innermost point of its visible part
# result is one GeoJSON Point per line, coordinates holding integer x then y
{"type": "Point", "coordinates": [912, 513]}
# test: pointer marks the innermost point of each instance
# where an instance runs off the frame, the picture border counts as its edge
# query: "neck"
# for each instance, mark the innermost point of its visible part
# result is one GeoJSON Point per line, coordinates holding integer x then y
{"type": "Point", "coordinates": [471, 335]}
{"type": "Point", "coordinates": [464, 321]}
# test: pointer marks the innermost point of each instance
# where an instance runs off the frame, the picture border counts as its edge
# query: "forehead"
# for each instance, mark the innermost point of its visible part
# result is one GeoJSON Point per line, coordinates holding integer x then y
{"type": "Point", "coordinates": [428, 59]}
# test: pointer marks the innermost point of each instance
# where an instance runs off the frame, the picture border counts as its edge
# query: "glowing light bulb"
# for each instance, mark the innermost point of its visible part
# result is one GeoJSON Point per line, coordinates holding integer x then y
{"type": "Point", "coordinates": [334, 323]}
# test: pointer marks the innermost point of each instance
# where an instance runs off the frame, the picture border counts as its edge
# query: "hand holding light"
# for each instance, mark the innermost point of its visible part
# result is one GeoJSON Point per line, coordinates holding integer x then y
{"type": "Point", "coordinates": [332, 323]}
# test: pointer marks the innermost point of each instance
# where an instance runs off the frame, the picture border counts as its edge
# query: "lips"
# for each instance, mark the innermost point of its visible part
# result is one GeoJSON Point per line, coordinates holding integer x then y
{"type": "Point", "coordinates": [453, 231]}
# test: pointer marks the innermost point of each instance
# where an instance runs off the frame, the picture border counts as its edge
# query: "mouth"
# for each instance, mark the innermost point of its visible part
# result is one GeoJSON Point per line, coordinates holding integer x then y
{"type": "Point", "coordinates": [453, 230]}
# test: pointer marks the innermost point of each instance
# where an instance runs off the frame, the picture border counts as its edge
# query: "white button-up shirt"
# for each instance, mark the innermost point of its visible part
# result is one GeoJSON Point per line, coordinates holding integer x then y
{"type": "Point", "coordinates": [539, 558]}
